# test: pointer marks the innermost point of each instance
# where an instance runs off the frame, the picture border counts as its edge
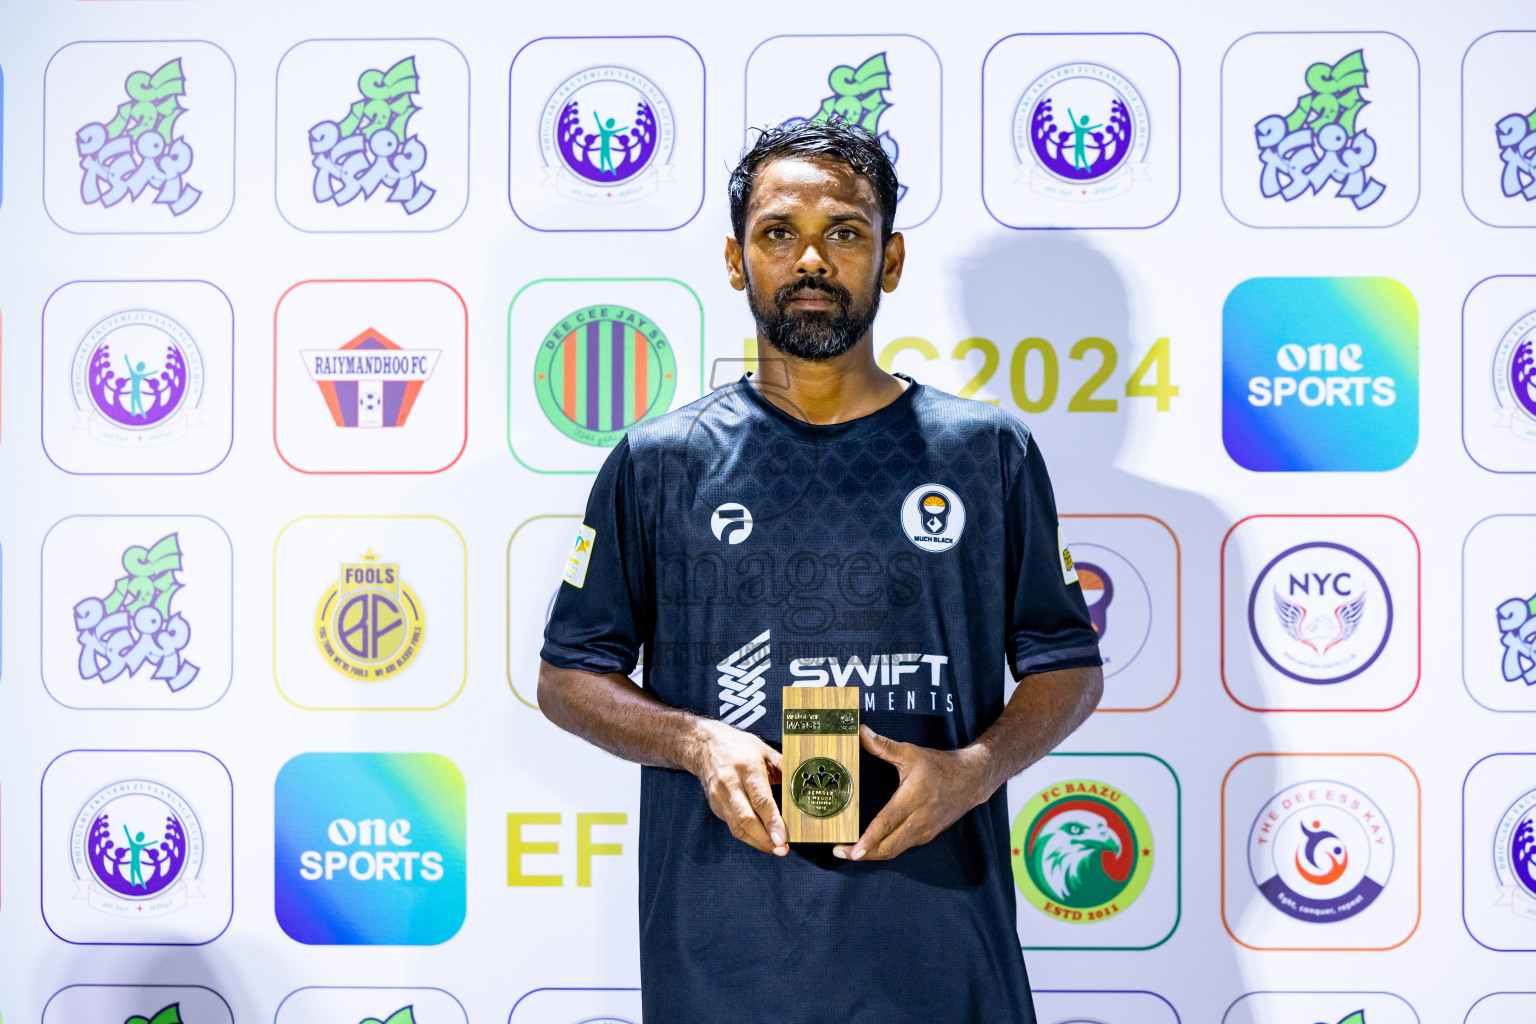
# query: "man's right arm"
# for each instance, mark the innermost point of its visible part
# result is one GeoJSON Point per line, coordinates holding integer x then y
{"type": "Point", "coordinates": [735, 767]}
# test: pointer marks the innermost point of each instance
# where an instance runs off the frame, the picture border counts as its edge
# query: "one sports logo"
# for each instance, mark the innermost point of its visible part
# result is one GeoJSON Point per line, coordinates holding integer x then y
{"type": "Point", "coordinates": [732, 522]}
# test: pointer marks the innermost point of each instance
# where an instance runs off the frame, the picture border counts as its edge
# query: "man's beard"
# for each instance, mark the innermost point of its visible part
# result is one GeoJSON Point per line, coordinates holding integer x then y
{"type": "Point", "coordinates": [813, 334]}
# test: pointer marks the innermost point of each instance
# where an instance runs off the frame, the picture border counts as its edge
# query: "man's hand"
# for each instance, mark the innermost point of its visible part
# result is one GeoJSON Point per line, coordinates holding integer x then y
{"type": "Point", "coordinates": [936, 787]}
{"type": "Point", "coordinates": [736, 769]}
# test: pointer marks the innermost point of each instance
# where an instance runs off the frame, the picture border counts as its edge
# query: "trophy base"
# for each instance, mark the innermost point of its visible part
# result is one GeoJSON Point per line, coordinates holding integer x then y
{"type": "Point", "coordinates": [821, 763]}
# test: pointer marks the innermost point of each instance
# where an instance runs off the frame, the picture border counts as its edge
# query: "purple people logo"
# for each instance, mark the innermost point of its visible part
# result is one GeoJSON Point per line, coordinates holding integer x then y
{"type": "Point", "coordinates": [1517, 148]}
{"type": "Point", "coordinates": [1319, 141]}
{"type": "Point", "coordinates": [137, 850]}
{"type": "Point", "coordinates": [1514, 378]}
{"type": "Point", "coordinates": [1320, 851]}
{"type": "Point", "coordinates": [606, 136]}
{"type": "Point", "coordinates": [1313, 615]}
{"type": "Point", "coordinates": [371, 150]}
{"type": "Point", "coordinates": [858, 97]}
{"type": "Point", "coordinates": [1514, 857]}
{"type": "Point", "coordinates": [1517, 630]}
{"type": "Point", "coordinates": [1081, 133]}
{"type": "Point", "coordinates": [137, 380]}
{"type": "Point", "coordinates": [134, 626]}
{"type": "Point", "coordinates": [138, 151]}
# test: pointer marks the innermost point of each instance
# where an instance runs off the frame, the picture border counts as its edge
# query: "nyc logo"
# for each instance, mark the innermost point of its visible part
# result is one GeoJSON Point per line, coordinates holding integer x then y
{"type": "Point", "coordinates": [1308, 361]}
{"type": "Point", "coordinates": [139, 137]}
{"type": "Point", "coordinates": [372, 135]}
{"type": "Point", "coordinates": [369, 849]}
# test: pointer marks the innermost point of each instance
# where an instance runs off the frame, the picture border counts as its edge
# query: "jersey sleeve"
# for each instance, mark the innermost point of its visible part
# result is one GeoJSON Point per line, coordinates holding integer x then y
{"type": "Point", "coordinates": [600, 616]}
{"type": "Point", "coordinates": [1048, 623]}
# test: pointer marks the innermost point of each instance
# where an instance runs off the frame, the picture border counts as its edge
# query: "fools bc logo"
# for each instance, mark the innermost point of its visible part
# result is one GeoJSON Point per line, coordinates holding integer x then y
{"type": "Point", "coordinates": [371, 150]}
{"type": "Point", "coordinates": [601, 370]}
{"type": "Point", "coordinates": [137, 850]}
{"type": "Point", "coordinates": [1320, 613]}
{"type": "Point", "coordinates": [1319, 142]}
{"type": "Point", "coordinates": [139, 151]}
{"type": "Point", "coordinates": [137, 380]}
{"type": "Point", "coordinates": [370, 381]}
{"type": "Point", "coordinates": [1061, 153]}
{"type": "Point", "coordinates": [1320, 851]}
{"type": "Point", "coordinates": [370, 624]}
{"type": "Point", "coordinates": [1082, 851]}
{"type": "Point", "coordinates": [606, 136]}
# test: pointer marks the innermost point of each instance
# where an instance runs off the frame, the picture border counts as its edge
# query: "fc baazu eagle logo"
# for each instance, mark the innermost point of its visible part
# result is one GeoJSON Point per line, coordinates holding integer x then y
{"type": "Point", "coordinates": [369, 623]}
{"type": "Point", "coordinates": [1081, 851]}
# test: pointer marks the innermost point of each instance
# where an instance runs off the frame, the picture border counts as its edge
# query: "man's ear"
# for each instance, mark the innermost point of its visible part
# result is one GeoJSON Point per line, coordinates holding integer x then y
{"type": "Point", "coordinates": [733, 268]}
{"type": "Point", "coordinates": [891, 263]}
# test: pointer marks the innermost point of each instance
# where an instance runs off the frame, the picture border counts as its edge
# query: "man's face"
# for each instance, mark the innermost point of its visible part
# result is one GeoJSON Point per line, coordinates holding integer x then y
{"type": "Point", "coordinates": [811, 261]}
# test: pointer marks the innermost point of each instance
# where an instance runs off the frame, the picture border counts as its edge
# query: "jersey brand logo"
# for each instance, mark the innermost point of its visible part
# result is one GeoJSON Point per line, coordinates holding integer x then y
{"type": "Point", "coordinates": [741, 682]}
{"type": "Point", "coordinates": [732, 522]}
{"type": "Point", "coordinates": [933, 517]}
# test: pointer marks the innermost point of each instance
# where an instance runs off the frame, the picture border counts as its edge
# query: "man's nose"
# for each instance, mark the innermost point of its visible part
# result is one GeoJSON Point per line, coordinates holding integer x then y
{"type": "Point", "coordinates": [812, 261]}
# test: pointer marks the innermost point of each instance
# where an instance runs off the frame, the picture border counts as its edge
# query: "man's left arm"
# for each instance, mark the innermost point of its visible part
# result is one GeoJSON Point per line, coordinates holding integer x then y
{"type": "Point", "coordinates": [938, 786]}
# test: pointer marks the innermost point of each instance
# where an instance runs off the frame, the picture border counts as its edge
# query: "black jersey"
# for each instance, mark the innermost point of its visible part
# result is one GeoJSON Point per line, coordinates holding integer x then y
{"type": "Point", "coordinates": [912, 553]}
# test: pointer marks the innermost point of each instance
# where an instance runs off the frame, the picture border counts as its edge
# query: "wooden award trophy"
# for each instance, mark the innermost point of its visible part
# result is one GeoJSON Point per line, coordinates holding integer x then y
{"type": "Point", "coordinates": [821, 763]}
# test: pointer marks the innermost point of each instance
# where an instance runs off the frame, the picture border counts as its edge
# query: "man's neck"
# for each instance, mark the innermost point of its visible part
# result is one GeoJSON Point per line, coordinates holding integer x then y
{"type": "Point", "coordinates": [826, 391]}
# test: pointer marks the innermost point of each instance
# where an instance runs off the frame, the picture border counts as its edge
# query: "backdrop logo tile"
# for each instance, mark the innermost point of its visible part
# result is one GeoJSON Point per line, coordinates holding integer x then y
{"type": "Point", "coordinates": [1081, 130]}
{"type": "Point", "coordinates": [1498, 129]}
{"type": "Point", "coordinates": [136, 612]}
{"type": "Point", "coordinates": [589, 358]}
{"type": "Point", "coordinates": [1082, 851]}
{"type": "Point", "coordinates": [136, 847]}
{"type": "Point", "coordinates": [1502, 1008]}
{"type": "Point", "coordinates": [1498, 613]}
{"type": "Point", "coordinates": [359, 1005]}
{"type": "Point", "coordinates": [1068, 1007]}
{"type": "Point", "coordinates": [1320, 613]}
{"type": "Point", "coordinates": [1320, 129]}
{"type": "Point", "coordinates": [1498, 849]}
{"type": "Point", "coordinates": [360, 354]}
{"type": "Point", "coordinates": [369, 849]}
{"type": "Point", "coordinates": [1309, 361]}
{"type": "Point", "coordinates": [139, 137]}
{"type": "Point", "coordinates": [1321, 1007]}
{"type": "Point", "coordinates": [889, 85]}
{"type": "Point", "coordinates": [1096, 850]}
{"type": "Point", "coordinates": [352, 601]}
{"type": "Point", "coordinates": [607, 133]}
{"type": "Point", "coordinates": [601, 370]}
{"type": "Point", "coordinates": [1498, 374]}
{"type": "Point", "coordinates": [137, 1004]}
{"type": "Point", "coordinates": [372, 135]}
{"type": "Point", "coordinates": [137, 377]}
{"type": "Point", "coordinates": [587, 1005]}
{"type": "Point", "coordinates": [1320, 851]}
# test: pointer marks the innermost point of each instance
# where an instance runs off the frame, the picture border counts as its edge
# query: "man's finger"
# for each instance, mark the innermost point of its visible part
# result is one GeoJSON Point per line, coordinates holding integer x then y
{"type": "Point", "coordinates": [891, 816]}
{"type": "Point", "coordinates": [883, 748]}
{"type": "Point", "coordinates": [744, 822]}
{"type": "Point", "coordinates": [761, 798]}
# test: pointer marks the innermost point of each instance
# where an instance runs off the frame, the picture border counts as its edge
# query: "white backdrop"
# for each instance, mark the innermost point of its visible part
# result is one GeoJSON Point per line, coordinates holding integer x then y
{"type": "Point", "coordinates": [1368, 719]}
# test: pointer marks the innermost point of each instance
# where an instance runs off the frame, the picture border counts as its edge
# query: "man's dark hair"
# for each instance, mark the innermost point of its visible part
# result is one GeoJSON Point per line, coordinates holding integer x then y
{"type": "Point", "coordinates": [836, 139]}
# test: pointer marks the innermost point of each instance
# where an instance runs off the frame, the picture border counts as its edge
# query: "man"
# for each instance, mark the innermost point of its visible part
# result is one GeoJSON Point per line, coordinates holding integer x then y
{"type": "Point", "coordinates": [823, 522]}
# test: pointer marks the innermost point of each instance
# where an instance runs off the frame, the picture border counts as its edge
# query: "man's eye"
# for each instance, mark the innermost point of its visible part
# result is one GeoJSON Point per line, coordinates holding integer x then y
{"type": "Point", "coordinates": [778, 233]}
{"type": "Point", "coordinates": [844, 235]}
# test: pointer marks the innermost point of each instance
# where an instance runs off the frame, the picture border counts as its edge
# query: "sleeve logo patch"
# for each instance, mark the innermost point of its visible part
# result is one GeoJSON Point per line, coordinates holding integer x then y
{"type": "Point", "coordinates": [581, 554]}
{"type": "Point", "coordinates": [1068, 569]}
